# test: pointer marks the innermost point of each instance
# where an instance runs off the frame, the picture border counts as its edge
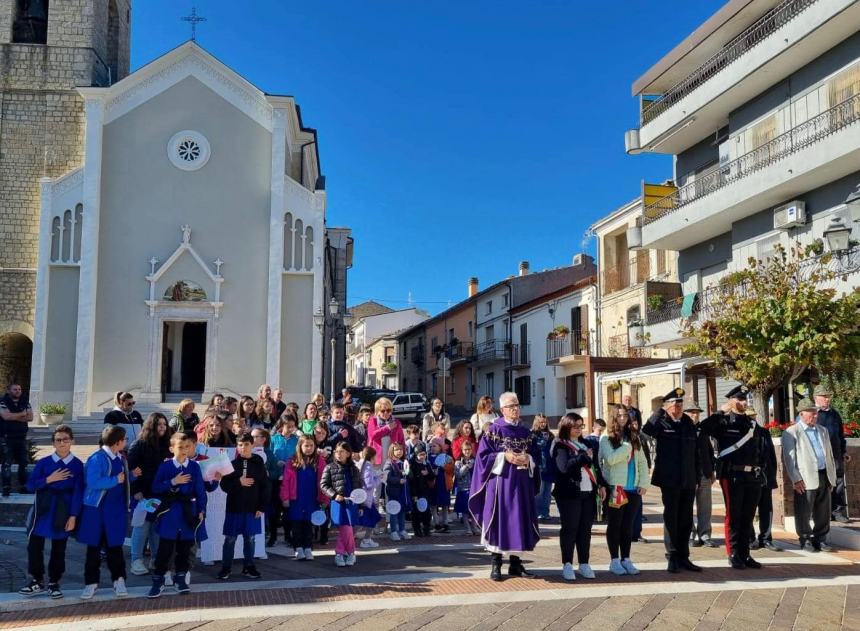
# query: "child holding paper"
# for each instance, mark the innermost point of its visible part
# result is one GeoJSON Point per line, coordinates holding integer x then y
{"type": "Point", "coordinates": [248, 490]}
{"type": "Point", "coordinates": [339, 480]}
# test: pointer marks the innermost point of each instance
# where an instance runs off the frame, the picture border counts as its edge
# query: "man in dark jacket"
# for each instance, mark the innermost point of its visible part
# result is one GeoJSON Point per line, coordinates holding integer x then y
{"type": "Point", "coordinates": [15, 416]}
{"type": "Point", "coordinates": [829, 419]}
{"type": "Point", "coordinates": [765, 503]}
{"type": "Point", "coordinates": [341, 431]}
{"type": "Point", "coordinates": [677, 472]}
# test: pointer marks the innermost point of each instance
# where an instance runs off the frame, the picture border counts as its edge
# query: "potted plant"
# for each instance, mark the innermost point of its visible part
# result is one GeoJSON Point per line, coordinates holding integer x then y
{"type": "Point", "coordinates": [52, 413]}
{"type": "Point", "coordinates": [561, 331]}
{"type": "Point", "coordinates": [389, 366]}
{"type": "Point", "coordinates": [655, 302]}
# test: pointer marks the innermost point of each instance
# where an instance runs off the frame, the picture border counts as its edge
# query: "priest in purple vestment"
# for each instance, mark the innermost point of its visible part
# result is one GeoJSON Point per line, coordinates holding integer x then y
{"type": "Point", "coordinates": [504, 484]}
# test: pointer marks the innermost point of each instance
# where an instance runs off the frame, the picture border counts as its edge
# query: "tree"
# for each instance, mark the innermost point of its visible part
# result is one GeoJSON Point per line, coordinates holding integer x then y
{"type": "Point", "coordinates": [765, 325]}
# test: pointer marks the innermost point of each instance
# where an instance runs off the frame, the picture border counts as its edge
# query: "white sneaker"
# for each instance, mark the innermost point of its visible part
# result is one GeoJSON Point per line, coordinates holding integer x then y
{"type": "Point", "coordinates": [289, 551]}
{"type": "Point", "coordinates": [309, 554]}
{"type": "Point", "coordinates": [89, 591]}
{"type": "Point", "coordinates": [631, 569]}
{"type": "Point", "coordinates": [299, 554]}
{"type": "Point", "coordinates": [395, 536]}
{"type": "Point", "coordinates": [188, 577]}
{"type": "Point", "coordinates": [617, 568]}
{"type": "Point", "coordinates": [339, 560]}
{"type": "Point", "coordinates": [366, 543]}
{"type": "Point", "coordinates": [138, 568]}
{"type": "Point", "coordinates": [119, 588]}
{"type": "Point", "coordinates": [168, 579]}
{"type": "Point", "coordinates": [568, 573]}
{"type": "Point", "coordinates": [404, 535]}
{"type": "Point", "coordinates": [350, 559]}
{"type": "Point", "coordinates": [585, 570]}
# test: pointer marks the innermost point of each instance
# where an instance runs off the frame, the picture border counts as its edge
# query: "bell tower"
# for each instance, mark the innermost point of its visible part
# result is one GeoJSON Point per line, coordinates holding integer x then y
{"type": "Point", "coordinates": [47, 49]}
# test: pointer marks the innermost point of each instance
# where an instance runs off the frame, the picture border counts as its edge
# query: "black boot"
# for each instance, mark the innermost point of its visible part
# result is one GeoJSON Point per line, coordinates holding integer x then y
{"type": "Point", "coordinates": [736, 562]}
{"type": "Point", "coordinates": [496, 569]}
{"type": "Point", "coordinates": [686, 564]}
{"type": "Point", "coordinates": [516, 568]}
{"type": "Point", "coordinates": [751, 562]}
{"type": "Point", "coordinates": [673, 564]}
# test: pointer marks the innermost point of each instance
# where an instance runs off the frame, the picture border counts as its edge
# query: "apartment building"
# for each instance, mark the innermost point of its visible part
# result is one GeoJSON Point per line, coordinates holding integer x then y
{"type": "Point", "coordinates": [759, 108]}
{"type": "Point", "coordinates": [369, 330]}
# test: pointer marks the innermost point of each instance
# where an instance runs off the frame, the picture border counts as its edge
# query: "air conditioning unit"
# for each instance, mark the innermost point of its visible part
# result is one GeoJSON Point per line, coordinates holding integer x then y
{"type": "Point", "coordinates": [790, 215]}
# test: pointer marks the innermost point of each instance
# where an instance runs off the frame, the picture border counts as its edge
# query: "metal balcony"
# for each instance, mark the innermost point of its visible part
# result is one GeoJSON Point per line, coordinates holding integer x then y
{"type": "Point", "coordinates": [492, 351]}
{"type": "Point", "coordinates": [521, 357]}
{"type": "Point", "coordinates": [766, 26]}
{"type": "Point", "coordinates": [460, 352]}
{"type": "Point", "coordinates": [575, 344]}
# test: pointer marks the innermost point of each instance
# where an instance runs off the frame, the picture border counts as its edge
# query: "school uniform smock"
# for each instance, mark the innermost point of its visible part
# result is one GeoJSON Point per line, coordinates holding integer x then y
{"type": "Point", "coordinates": [57, 501]}
{"type": "Point", "coordinates": [441, 495]}
{"type": "Point", "coordinates": [243, 502]}
{"type": "Point", "coordinates": [307, 489]}
{"type": "Point", "coordinates": [177, 516]}
{"type": "Point", "coordinates": [341, 479]}
{"type": "Point", "coordinates": [105, 511]}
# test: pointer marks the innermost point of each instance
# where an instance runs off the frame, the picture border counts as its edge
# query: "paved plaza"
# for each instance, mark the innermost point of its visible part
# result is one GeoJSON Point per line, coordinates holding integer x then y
{"type": "Point", "coordinates": [443, 584]}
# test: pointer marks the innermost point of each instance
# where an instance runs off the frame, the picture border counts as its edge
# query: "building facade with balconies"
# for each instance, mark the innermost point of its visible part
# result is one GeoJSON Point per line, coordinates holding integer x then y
{"type": "Point", "coordinates": [760, 107]}
{"type": "Point", "coordinates": [367, 330]}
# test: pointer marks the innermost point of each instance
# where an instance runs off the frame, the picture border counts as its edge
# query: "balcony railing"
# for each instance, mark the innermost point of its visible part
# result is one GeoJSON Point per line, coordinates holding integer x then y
{"type": "Point", "coordinates": [522, 358]}
{"type": "Point", "coordinates": [636, 270]}
{"type": "Point", "coordinates": [575, 343]}
{"type": "Point", "coordinates": [493, 350]}
{"type": "Point", "coordinates": [769, 23]}
{"type": "Point", "coordinates": [461, 351]}
{"type": "Point", "coordinates": [619, 347]}
{"type": "Point", "coordinates": [416, 354]}
{"type": "Point", "coordinates": [828, 122]}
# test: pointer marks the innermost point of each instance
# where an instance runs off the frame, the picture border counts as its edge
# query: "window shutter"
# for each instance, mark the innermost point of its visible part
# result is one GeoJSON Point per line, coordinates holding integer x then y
{"type": "Point", "coordinates": [569, 391]}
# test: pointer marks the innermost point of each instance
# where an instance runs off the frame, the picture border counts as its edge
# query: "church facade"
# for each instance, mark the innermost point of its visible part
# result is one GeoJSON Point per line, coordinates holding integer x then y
{"type": "Point", "coordinates": [185, 253]}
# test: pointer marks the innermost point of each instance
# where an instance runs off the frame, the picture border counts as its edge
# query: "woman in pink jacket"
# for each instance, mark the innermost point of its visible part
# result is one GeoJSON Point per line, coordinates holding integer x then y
{"type": "Point", "coordinates": [383, 429]}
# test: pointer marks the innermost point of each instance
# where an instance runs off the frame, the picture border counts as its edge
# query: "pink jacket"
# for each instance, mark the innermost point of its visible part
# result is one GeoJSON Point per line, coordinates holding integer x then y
{"type": "Point", "coordinates": [377, 430]}
{"type": "Point", "coordinates": [288, 485]}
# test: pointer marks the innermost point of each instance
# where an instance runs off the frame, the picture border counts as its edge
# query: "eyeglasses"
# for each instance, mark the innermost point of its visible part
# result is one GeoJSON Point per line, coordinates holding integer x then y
{"type": "Point", "coordinates": [62, 440]}
{"type": "Point", "coordinates": [511, 406]}
{"type": "Point", "coordinates": [385, 411]}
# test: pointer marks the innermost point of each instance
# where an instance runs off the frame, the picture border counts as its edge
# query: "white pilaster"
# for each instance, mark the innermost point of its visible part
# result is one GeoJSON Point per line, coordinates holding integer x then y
{"type": "Point", "coordinates": [276, 248]}
{"type": "Point", "coordinates": [319, 271]}
{"type": "Point", "coordinates": [84, 348]}
{"type": "Point", "coordinates": [42, 277]}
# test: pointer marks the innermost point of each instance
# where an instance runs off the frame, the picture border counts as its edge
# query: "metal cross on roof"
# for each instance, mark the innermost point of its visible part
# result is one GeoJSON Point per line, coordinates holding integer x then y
{"type": "Point", "coordinates": [194, 19]}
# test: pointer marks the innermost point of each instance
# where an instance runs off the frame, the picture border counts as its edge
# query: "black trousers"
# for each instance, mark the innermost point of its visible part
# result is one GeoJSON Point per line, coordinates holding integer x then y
{"type": "Point", "coordinates": [678, 520]}
{"type": "Point", "coordinates": [36, 559]}
{"type": "Point", "coordinates": [421, 521]}
{"type": "Point", "coordinates": [765, 517]}
{"type": "Point", "coordinates": [839, 498]}
{"type": "Point", "coordinates": [577, 516]}
{"type": "Point", "coordinates": [13, 451]}
{"type": "Point", "coordinates": [815, 506]}
{"type": "Point", "coordinates": [115, 563]}
{"type": "Point", "coordinates": [303, 534]}
{"type": "Point", "coordinates": [741, 494]}
{"type": "Point", "coordinates": [619, 526]}
{"type": "Point", "coordinates": [166, 549]}
{"type": "Point", "coordinates": [279, 516]}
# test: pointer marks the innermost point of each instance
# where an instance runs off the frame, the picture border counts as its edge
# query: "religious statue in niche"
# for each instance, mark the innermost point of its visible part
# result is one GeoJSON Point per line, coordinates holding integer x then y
{"type": "Point", "coordinates": [184, 291]}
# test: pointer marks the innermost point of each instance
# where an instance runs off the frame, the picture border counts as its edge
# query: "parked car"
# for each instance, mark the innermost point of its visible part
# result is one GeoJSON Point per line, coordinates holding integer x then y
{"type": "Point", "coordinates": [409, 404]}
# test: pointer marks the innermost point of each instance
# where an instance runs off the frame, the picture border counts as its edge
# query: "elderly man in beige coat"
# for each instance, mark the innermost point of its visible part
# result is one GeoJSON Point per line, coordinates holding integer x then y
{"type": "Point", "coordinates": [808, 459]}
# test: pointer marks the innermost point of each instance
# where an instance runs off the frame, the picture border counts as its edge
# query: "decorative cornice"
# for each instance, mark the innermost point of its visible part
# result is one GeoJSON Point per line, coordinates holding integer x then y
{"type": "Point", "coordinates": [65, 183]}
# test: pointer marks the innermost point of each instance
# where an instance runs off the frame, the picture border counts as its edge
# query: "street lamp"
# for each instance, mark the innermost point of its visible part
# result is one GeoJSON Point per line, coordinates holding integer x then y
{"type": "Point", "coordinates": [335, 319]}
{"type": "Point", "coordinates": [837, 234]}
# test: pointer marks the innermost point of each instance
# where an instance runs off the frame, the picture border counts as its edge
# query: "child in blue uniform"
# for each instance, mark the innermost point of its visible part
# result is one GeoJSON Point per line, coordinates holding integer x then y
{"type": "Point", "coordinates": [58, 481]}
{"type": "Point", "coordinates": [300, 494]}
{"type": "Point", "coordinates": [104, 518]}
{"type": "Point", "coordinates": [248, 491]}
{"type": "Point", "coordinates": [179, 485]}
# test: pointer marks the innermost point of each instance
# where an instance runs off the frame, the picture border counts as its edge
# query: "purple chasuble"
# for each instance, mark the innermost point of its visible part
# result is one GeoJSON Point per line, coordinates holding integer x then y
{"type": "Point", "coordinates": [502, 496]}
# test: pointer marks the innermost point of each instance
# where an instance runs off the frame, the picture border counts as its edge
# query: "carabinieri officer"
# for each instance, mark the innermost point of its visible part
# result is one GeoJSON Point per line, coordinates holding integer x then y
{"type": "Point", "coordinates": [677, 472]}
{"type": "Point", "coordinates": [741, 470]}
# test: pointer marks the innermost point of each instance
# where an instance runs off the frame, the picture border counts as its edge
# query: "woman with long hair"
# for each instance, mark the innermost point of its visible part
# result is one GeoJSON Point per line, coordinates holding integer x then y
{"type": "Point", "coordinates": [123, 412]}
{"type": "Point", "coordinates": [465, 433]}
{"type": "Point", "coordinates": [146, 454]}
{"type": "Point", "coordinates": [542, 437]}
{"type": "Point", "coordinates": [484, 413]}
{"type": "Point", "coordinates": [215, 433]}
{"type": "Point", "coordinates": [625, 470]}
{"type": "Point", "coordinates": [184, 419]}
{"type": "Point", "coordinates": [437, 414]}
{"type": "Point", "coordinates": [311, 417]}
{"type": "Point", "coordinates": [575, 493]}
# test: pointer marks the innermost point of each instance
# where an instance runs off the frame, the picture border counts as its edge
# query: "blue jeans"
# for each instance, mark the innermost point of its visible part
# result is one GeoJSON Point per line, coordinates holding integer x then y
{"type": "Point", "coordinates": [230, 546]}
{"type": "Point", "coordinates": [397, 523]}
{"type": "Point", "coordinates": [139, 536]}
{"type": "Point", "coordinates": [544, 498]}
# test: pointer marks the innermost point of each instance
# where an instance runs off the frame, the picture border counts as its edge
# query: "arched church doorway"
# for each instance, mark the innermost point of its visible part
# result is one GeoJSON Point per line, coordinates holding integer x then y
{"type": "Point", "coordinates": [16, 356]}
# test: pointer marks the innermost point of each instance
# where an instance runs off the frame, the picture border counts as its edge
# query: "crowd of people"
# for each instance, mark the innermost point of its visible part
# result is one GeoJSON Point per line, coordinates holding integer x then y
{"type": "Point", "coordinates": [293, 473]}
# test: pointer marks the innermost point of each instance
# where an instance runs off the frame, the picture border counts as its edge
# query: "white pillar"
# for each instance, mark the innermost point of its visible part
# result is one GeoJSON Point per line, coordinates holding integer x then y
{"type": "Point", "coordinates": [318, 306]}
{"type": "Point", "coordinates": [42, 277]}
{"type": "Point", "coordinates": [276, 248]}
{"type": "Point", "coordinates": [84, 348]}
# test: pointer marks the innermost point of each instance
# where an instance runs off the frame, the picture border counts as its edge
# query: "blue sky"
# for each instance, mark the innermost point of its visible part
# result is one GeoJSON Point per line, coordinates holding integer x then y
{"type": "Point", "coordinates": [457, 138]}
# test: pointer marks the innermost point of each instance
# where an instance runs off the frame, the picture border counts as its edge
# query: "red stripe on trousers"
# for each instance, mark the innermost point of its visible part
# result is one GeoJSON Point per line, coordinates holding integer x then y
{"type": "Point", "coordinates": [724, 485]}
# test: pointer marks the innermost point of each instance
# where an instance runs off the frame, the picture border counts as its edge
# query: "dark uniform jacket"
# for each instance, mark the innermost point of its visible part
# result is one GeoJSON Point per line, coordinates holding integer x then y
{"type": "Point", "coordinates": [706, 454]}
{"type": "Point", "coordinates": [830, 420]}
{"type": "Point", "coordinates": [730, 428]}
{"type": "Point", "coordinates": [677, 458]}
{"type": "Point", "coordinates": [247, 499]}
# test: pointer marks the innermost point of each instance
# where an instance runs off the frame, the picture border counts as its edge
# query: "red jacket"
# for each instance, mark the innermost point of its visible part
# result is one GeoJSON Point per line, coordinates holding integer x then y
{"type": "Point", "coordinates": [457, 446]}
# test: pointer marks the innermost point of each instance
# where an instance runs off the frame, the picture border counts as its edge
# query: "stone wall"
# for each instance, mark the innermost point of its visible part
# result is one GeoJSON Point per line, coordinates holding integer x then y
{"type": "Point", "coordinates": [783, 497]}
